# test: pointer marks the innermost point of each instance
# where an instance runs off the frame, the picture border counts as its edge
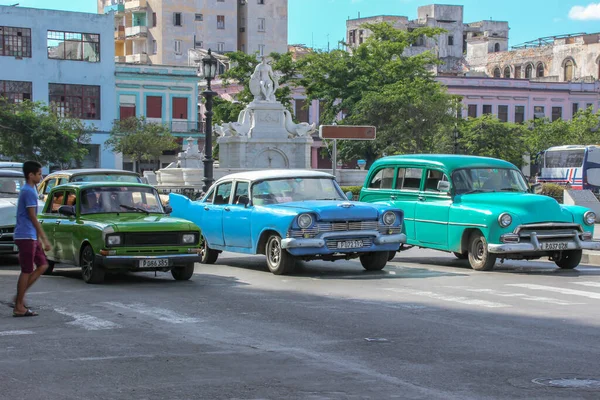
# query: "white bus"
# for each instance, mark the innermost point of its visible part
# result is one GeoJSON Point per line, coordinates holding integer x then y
{"type": "Point", "coordinates": [574, 165]}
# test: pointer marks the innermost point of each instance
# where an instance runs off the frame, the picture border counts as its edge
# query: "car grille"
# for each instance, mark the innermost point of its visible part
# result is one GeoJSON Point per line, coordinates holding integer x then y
{"type": "Point", "coordinates": [332, 244]}
{"type": "Point", "coordinates": [547, 231]}
{"type": "Point", "coordinates": [6, 234]}
{"type": "Point", "coordinates": [152, 239]}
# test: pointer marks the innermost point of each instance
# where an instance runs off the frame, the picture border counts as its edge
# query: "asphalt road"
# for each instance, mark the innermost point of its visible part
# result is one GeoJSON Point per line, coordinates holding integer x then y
{"type": "Point", "coordinates": [426, 327]}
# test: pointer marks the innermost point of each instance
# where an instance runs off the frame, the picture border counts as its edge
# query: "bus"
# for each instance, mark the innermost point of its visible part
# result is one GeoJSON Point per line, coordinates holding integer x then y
{"type": "Point", "coordinates": [572, 165]}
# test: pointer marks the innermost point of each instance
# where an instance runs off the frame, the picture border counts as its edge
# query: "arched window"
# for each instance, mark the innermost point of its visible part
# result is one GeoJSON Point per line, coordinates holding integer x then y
{"type": "Point", "coordinates": [540, 70]}
{"type": "Point", "coordinates": [528, 71]}
{"type": "Point", "coordinates": [507, 72]}
{"type": "Point", "coordinates": [496, 72]}
{"type": "Point", "coordinates": [496, 47]}
{"type": "Point", "coordinates": [569, 67]}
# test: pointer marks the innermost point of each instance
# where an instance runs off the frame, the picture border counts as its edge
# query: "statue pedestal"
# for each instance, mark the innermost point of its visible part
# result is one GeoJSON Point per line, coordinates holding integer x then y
{"type": "Point", "coordinates": [246, 152]}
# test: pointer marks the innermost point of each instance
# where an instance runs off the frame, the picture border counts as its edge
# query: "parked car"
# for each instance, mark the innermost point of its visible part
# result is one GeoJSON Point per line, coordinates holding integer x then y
{"type": "Point", "coordinates": [11, 183]}
{"type": "Point", "coordinates": [115, 226]}
{"type": "Point", "coordinates": [16, 166]}
{"type": "Point", "coordinates": [289, 215]}
{"type": "Point", "coordinates": [479, 208]}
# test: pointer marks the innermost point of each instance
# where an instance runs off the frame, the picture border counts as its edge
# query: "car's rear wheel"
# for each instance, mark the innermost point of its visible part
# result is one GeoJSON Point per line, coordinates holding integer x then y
{"type": "Point", "coordinates": [209, 256]}
{"type": "Point", "coordinates": [279, 261]}
{"type": "Point", "coordinates": [569, 259]}
{"type": "Point", "coordinates": [50, 268]}
{"type": "Point", "coordinates": [90, 270]}
{"type": "Point", "coordinates": [461, 256]}
{"type": "Point", "coordinates": [183, 273]}
{"type": "Point", "coordinates": [391, 255]}
{"type": "Point", "coordinates": [375, 261]}
{"type": "Point", "coordinates": [479, 257]}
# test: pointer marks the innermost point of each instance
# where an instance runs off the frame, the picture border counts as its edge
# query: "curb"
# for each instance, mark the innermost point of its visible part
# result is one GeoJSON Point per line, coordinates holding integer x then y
{"type": "Point", "coordinates": [591, 257]}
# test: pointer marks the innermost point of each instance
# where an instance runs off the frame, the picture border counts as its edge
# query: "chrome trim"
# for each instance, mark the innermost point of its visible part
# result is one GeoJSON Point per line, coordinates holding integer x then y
{"type": "Point", "coordinates": [291, 243]}
{"type": "Point", "coordinates": [549, 225]}
{"type": "Point", "coordinates": [431, 221]}
{"type": "Point", "coordinates": [391, 239]}
{"type": "Point", "coordinates": [180, 255]}
{"type": "Point", "coordinates": [500, 220]}
{"type": "Point", "coordinates": [467, 224]}
{"type": "Point", "coordinates": [535, 246]}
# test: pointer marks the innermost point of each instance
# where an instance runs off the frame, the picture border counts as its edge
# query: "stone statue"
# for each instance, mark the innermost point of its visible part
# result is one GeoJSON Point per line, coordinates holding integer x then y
{"type": "Point", "coordinates": [239, 128]}
{"type": "Point", "coordinates": [264, 82]}
{"type": "Point", "coordinates": [298, 130]}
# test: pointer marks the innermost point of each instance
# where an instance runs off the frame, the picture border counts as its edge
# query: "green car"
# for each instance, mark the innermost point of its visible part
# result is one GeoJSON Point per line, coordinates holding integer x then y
{"type": "Point", "coordinates": [116, 226]}
{"type": "Point", "coordinates": [480, 209]}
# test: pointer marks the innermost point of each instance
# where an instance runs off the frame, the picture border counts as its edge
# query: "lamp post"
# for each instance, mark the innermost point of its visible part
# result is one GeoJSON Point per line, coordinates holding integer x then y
{"type": "Point", "coordinates": [209, 69]}
{"type": "Point", "coordinates": [455, 136]}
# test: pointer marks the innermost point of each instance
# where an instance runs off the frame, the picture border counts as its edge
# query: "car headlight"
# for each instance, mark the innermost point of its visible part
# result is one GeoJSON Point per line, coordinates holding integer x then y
{"type": "Point", "coordinates": [504, 220]}
{"type": "Point", "coordinates": [389, 218]}
{"type": "Point", "coordinates": [589, 218]}
{"type": "Point", "coordinates": [305, 220]}
{"type": "Point", "coordinates": [189, 238]}
{"type": "Point", "coordinates": [113, 240]}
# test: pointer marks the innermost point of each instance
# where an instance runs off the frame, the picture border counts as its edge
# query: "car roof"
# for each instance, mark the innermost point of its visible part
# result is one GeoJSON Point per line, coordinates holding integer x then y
{"type": "Point", "coordinates": [92, 171]}
{"type": "Point", "coordinates": [447, 161]}
{"type": "Point", "coordinates": [276, 174]}
{"type": "Point", "coordinates": [87, 185]}
{"type": "Point", "coordinates": [11, 173]}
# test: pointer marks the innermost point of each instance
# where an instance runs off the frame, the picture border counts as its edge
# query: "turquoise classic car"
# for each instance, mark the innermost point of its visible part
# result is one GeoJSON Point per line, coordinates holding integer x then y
{"type": "Point", "coordinates": [289, 215]}
{"type": "Point", "coordinates": [479, 208]}
{"type": "Point", "coordinates": [116, 226]}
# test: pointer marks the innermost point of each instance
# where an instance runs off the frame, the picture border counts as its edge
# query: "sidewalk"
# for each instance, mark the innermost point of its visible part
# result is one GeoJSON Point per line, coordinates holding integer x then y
{"type": "Point", "coordinates": [590, 256]}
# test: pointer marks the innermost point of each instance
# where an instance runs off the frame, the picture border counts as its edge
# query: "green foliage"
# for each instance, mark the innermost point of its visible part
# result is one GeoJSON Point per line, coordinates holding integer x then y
{"type": "Point", "coordinates": [553, 190]}
{"type": "Point", "coordinates": [354, 189]}
{"type": "Point", "coordinates": [32, 131]}
{"type": "Point", "coordinates": [225, 111]}
{"type": "Point", "coordinates": [140, 140]}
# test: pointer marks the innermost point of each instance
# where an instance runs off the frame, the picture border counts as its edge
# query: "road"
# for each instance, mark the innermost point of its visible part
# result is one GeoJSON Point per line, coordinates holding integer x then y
{"type": "Point", "coordinates": [426, 327]}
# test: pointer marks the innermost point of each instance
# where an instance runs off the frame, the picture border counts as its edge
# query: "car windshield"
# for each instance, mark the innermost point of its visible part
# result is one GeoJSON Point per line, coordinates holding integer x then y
{"type": "Point", "coordinates": [120, 200]}
{"type": "Point", "coordinates": [110, 177]}
{"type": "Point", "coordinates": [479, 180]}
{"type": "Point", "coordinates": [286, 190]}
{"type": "Point", "coordinates": [11, 185]}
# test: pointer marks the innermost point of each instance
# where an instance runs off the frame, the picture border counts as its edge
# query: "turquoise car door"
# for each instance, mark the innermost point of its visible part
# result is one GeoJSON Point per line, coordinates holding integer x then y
{"type": "Point", "coordinates": [212, 220]}
{"type": "Point", "coordinates": [236, 219]}
{"type": "Point", "coordinates": [432, 210]}
{"type": "Point", "coordinates": [406, 195]}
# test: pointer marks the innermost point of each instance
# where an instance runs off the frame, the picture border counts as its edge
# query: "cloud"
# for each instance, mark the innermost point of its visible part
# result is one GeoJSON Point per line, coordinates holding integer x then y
{"type": "Point", "coordinates": [589, 12]}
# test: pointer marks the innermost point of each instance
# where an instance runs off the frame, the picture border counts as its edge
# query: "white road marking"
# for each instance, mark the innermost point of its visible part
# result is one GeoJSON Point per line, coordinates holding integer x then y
{"type": "Point", "coordinates": [15, 333]}
{"type": "Point", "coordinates": [524, 296]}
{"type": "Point", "coordinates": [452, 299]}
{"type": "Point", "coordinates": [162, 314]}
{"type": "Point", "coordinates": [87, 322]}
{"type": "Point", "coordinates": [590, 295]}
{"type": "Point", "coordinates": [590, 284]}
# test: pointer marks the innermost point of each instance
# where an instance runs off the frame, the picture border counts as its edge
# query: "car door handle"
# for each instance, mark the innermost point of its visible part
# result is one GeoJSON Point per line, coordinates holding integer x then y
{"type": "Point", "coordinates": [421, 198]}
{"type": "Point", "coordinates": [57, 222]}
{"type": "Point", "coordinates": [227, 209]}
{"type": "Point", "coordinates": [393, 197]}
{"type": "Point", "coordinates": [206, 209]}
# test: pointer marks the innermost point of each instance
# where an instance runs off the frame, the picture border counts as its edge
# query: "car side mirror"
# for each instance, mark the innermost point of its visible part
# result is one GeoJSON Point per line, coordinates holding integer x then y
{"type": "Point", "coordinates": [536, 188]}
{"type": "Point", "coordinates": [168, 209]}
{"type": "Point", "coordinates": [41, 196]}
{"type": "Point", "coordinates": [243, 200]}
{"type": "Point", "coordinates": [349, 195]}
{"type": "Point", "coordinates": [443, 186]}
{"type": "Point", "coordinates": [68, 211]}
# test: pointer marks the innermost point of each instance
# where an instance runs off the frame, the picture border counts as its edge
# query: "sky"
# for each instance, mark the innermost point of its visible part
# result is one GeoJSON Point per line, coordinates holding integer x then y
{"type": "Point", "coordinates": [321, 23]}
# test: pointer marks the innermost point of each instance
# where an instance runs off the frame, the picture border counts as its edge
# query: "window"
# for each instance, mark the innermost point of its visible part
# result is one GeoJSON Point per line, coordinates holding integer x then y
{"type": "Point", "coordinates": [220, 1]}
{"type": "Point", "coordinates": [556, 113]}
{"type": "Point", "coordinates": [220, 22]}
{"type": "Point", "coordinates": [472, 111]}
{"type": "Point", "coordinates": [301, 112]}
{"type": "Point", "coordinates": [487, 109]}
{"type": "Point", "coordinates": [198, 43]}
{"type": "Point", "coordinates": [503, 113]}
{"type": "Point", "coordinates": [433, 178]}
{"type": "Point", "coordinates": [199, 17]}
{"type": "Point", "coordinates": [412, 179]}
{"type": "Point", "coordinates": [177, 19]}
{"type": "Point", "coordinates": [497, 73]}
{"type": "Point", "coordinates": [177, 46]}
{"type": "Point", "coordinates": [261, 1]}
{"type": "Point", "coordinates": [575, 108]}
{"type": "Point", "coordinates": [73, 46]}
{"type": "Point", "coordinates": [519, 114]}
{"type": "Point", "coordinates": [75, 101]}
{"type": "Point", "coordinates": [180, 108]}
{"type": "Point", "coordinates": [15, 42]}
{"type": "Point", "coordinates": [568, 70]}
{"type": "Point", "coordinates": [71, 198]}
{"type": "Point", "coordinates": [261, 24]}
{"type": "Point", "coordinates": [383, 179]}
{"type": "Point", "coordinates": [507, 72]}
{"type": "Point", "coordinates": [589, 105]}
{"type": "Point", "coordinates": [450, 40]}
{"type": "Point", "coordinates": [540, 70]}
{"type": "Point", "coordinates": [564, 158]}
{"type": "Point", "coordinates": [220, 47]}
{"type": "Point", "coordinates": [496, 47]}
{"type": "Point", "coordinates": [209, 197]}
{"type": "Point", "coordinates": [538, 112]}
{"type": "Point", "coordinates": [223, 193]}
{"type": "Point", "coordinates": [261, 49]}
{"type": "Point", "coordinates": [241, 189]}
{"type": "Point", "coordinates": [15, 91]}
{"type": "Point", "coordinates": [518, 72]}
{"type": "Point", "coordinates": [154, 20]}
{"type": "Point", "coordinates": [56, 202]}
{"type": "Point", "coordinates": [154, 47]}
{"type": "Point", "coordinates": [154, 106]}
{"type": "Point", "coordinates": [528, 71]}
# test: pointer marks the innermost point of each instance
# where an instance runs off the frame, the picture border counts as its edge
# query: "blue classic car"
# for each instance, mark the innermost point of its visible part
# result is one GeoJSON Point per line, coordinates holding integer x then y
{"type": "Point", "coordinates": [289, 215]}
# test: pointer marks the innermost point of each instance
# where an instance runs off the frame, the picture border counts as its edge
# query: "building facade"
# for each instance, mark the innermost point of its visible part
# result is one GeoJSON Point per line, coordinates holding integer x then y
{"type": "Point", "coordinates": [63, 58]}
{"type": "Point", "coordinates": [163, 31]}
{"type": "Point", "coordinates": [162, 94]}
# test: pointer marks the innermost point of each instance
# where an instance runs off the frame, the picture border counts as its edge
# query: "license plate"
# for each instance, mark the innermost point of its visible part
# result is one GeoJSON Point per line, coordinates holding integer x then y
{"type": "Point", "coordinates": [154, 263]}
{"type": "Point", "coordinates": [555, 246]}
{"type": "Point", "coordinates": [349, 244]}
{"type": "Point", "coordinates": [15, 249]}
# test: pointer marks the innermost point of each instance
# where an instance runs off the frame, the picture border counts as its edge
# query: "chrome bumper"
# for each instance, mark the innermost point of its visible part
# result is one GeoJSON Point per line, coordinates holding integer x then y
{"type": "Point", "coordinates": [379, 239]}
{"type": "Point", "coordinates": [535, 246]}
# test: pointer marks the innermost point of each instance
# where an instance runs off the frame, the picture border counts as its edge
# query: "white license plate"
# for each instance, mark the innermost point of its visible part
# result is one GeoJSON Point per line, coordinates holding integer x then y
{"type": "Point", "coordinates": [555, 246]}
{"type": "Point", "coordinates": [154, 263]}
{"type": "Point", "coordinates": [15, 249]}
{"type": "Point", "coordinates": [350, 244]}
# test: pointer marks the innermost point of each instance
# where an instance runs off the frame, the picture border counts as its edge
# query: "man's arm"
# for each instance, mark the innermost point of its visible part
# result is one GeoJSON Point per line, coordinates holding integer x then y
{"type": "Point", "coordinates": [38, 228]}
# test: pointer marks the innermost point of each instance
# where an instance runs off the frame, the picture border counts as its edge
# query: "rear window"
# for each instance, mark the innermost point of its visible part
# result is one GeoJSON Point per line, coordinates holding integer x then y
{"type": "Point", "coordinates": [107, 178]}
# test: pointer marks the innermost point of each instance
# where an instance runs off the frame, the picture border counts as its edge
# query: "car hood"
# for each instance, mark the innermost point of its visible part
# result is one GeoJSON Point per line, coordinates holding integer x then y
{"type": "Point", "coordinates": [530, 208]}
{"type": "Point", "coordinates": [332, 210]}
{"type": "Point", "coordinates": [138, 222]}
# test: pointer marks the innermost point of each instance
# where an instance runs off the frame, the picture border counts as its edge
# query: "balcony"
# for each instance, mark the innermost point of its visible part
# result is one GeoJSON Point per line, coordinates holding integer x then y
{"type": "Point", "coordinates": [136, 31]}
{"type": "Point", "coordinates": [133, 5]}
{"type": "Point", "coordinates": [137, 59]}
{"type": "Point", "coordinates": [120, 59]}
{"type": "Point", "coordinates": [116, 8]}
{"type": "Point", "coordinates": [120, 32]}
{"type": "Point", "coordinates": [181, 128]}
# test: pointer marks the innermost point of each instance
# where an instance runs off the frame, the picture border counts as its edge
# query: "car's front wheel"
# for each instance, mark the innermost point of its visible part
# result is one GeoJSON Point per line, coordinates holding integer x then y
{"type": "Point", "coordinates": [50, 268]}
{"type": "Point", "coordinates": [90, 270]}
{"type": "Point", "coordinates": [460, 256]}
{"type": "Point", "coordinates": [391, 255]}
{"type": "Point", "coordinates": [279, 261]}
{"type": "Point", "coordinates": [209, 256]}
{"type": "Point", "coordinates": [569, 259]}
{"type": "Point", "coordinates": [183, 273]}
{"type": "Point", "coordinates": [479, 257]}
{"type": "Point", "coordinates": [375, 261]}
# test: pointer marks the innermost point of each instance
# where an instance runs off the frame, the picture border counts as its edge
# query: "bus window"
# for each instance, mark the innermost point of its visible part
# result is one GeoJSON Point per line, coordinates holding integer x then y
{"type": "Point", "coordinates": [564, 158]}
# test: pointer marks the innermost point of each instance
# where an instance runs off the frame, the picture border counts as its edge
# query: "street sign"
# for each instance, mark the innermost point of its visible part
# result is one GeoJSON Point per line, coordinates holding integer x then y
{"type": "Point", "coordinates": [347, 132]}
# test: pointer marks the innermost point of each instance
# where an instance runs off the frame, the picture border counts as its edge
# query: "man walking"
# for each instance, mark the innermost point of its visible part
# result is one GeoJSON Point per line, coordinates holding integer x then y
{"type": "Point", "coordinates": [28, 234]}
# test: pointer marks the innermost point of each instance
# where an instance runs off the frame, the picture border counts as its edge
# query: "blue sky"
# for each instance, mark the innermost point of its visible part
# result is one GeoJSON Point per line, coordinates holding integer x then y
{"type": "Point", "coordinates": [317, 22]}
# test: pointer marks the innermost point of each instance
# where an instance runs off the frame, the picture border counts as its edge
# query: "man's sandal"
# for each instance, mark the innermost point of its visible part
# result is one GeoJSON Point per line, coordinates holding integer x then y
{"type": "Point", "coordinates": [27, 313]}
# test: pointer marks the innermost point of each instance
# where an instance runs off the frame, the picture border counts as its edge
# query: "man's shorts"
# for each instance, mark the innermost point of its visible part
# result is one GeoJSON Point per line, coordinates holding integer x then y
{"type": "Point", "coordinates": [30, 254]}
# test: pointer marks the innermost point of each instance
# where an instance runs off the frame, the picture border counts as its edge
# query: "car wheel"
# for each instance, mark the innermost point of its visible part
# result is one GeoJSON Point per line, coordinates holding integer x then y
{"type": "Point", "coordinates": [569, 259]}
{"type": "Point", "coordinates": [209, 256]}
{"type": "Point", "coordinates": [90, 271]}
{"type": "Point", "coordinates": [479, 257]}
{"type": "Point", "coordinates": [391, 255]}
{"type": "Point", "coordinates": [279, 261]}
{"type": "Point", "coordinates": [461, 256]}
{"type": "Point", "coordinates": [375, 261]}
{"type": "Point", "coordinates": [50, 268]}
{"type": "Point", "coordinates": [183, 273]}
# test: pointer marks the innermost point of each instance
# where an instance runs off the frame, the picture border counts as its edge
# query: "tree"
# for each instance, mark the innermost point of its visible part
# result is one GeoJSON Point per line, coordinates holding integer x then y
{"type": "Point", "coordinates": [33, 131]}
{"type": "Point", "coordinates": [140, 140]}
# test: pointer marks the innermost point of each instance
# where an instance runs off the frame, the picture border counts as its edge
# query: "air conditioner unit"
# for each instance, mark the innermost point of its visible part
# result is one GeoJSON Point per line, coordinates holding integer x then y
{"type": "Point", "coordinates": [242, 29]}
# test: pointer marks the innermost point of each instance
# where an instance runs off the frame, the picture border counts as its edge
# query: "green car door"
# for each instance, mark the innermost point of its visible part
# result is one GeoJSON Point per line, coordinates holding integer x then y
{"type": "Point", "coordinates": [432, 210]}
{"type": "Point", "coordinates": [63, 231]}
